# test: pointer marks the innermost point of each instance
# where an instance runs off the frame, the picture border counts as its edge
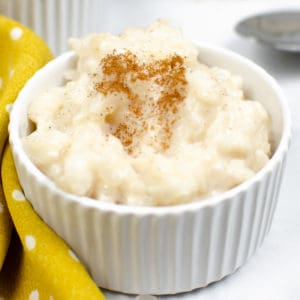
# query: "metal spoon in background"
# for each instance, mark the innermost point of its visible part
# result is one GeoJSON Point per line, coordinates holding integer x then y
{"type": "Point", "coordinates": [278, 29]}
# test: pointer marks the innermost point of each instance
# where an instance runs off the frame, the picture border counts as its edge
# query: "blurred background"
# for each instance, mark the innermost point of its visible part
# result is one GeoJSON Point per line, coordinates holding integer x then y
{"type": "Point", "coordinates": [204, 20]}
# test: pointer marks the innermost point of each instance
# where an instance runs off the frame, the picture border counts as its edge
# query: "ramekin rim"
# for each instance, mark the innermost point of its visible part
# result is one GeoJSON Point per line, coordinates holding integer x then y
{"type": "Point", "coordinates": [211, 201]}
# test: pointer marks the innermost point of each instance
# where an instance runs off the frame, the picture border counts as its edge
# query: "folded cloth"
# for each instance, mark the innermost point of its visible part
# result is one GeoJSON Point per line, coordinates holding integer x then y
{"type": "Point", "coordinates": [35, 263]}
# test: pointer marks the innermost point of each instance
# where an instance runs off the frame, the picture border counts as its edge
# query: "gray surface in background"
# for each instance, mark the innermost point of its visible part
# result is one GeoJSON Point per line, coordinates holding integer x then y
{"type": "Point", "coordinates": [274, 271]}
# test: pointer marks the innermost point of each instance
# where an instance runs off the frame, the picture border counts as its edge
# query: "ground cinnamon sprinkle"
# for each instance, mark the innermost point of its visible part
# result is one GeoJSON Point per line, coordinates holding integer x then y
{"type": "Point", "coordinates": [120, 72]}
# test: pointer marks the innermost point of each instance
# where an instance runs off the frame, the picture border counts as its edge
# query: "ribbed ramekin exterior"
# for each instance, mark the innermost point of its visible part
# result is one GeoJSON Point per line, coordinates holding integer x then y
{"type": "Point", "coordinates": [55, 20]}
{"type": "Point", "coordinates": [160, 250]}
{"type": "Point", "coordinates": [160, 253]}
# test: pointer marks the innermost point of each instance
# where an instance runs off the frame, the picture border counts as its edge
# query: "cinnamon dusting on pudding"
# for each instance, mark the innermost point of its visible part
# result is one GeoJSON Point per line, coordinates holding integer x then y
{"type": "Point", "coordinates": [121, 73]}
{"type": "Point", "coordinates": [141, 121]}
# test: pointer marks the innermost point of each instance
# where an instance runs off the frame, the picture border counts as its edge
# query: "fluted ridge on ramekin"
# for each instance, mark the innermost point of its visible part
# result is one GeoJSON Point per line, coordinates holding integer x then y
{"type": "Point", "coordinates": [166, 253]}
{"type": "Point", "coordinates": [55, 20]}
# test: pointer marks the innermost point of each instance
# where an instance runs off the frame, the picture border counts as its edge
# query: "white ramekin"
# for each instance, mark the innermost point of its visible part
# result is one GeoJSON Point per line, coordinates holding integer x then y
{"type": "Point", "coordinates": [55, 20]}
{"type": "Point", "coordinates": [160, 250]}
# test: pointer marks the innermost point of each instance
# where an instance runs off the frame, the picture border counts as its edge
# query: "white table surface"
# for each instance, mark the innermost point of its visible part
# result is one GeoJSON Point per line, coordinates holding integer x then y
{"type": "Point", "coordinates": [273, 273]}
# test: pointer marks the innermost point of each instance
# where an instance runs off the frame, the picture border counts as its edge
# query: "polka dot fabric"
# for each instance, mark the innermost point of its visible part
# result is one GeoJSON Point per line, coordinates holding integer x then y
{"type": "Point", "coordinates": [34, 262]}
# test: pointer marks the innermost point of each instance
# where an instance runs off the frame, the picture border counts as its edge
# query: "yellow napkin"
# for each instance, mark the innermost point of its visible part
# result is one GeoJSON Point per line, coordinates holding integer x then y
{"type": "Point", "coordinates": [34, 262]}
